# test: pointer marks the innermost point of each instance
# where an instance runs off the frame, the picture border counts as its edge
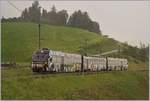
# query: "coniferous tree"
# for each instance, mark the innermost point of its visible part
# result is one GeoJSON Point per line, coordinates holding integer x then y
{"type": "Point", "coordinates": [82, 20]}
{"type": "Point", "coordinates": [62, 17]}
{"type": "Point", "coordinates": [52, 16]}
{"type": "Point", "coordinates": [32, 13]}
{"type": "Point", "coordinates": [24, 15]}
{"type": "Point", "coordinates": [44, 16]}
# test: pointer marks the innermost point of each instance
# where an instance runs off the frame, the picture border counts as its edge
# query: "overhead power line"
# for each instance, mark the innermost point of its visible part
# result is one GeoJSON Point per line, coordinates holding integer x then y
{"type": "Point", "coordinates": [14, 6]}
{"type": "Point", "coordinates": [109, 52]}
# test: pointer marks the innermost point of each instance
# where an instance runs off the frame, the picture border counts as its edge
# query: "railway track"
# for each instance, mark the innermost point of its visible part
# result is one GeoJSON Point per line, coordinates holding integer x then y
{"type": "Point", "coordinates": [46, 75]}
{"type": "Point", "coordinates": [43, 75]}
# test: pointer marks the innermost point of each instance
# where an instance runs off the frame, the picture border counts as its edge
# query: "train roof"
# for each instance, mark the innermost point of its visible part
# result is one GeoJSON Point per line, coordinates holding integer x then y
{"type": "Point", "coordinates": [45, 53]}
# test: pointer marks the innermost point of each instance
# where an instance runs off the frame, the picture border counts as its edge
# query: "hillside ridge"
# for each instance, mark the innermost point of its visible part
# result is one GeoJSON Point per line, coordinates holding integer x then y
{"type": "Point", "coordinates": [20, 39]}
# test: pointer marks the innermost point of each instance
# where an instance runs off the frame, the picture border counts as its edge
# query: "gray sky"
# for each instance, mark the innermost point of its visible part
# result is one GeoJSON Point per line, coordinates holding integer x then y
{"type": "Point", "coordinates": [123, 20]}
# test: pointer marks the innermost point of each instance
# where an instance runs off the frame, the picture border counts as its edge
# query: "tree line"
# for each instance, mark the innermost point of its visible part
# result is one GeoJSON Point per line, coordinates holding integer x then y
{"type": "Point", "coordinates": [78, 19]}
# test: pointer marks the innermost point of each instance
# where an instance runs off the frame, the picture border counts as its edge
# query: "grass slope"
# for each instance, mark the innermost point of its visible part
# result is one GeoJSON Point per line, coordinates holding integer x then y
{"type": "Point", "coordinates": [104, 85]}
{"type": "Point", "coordinates": [20, 40]}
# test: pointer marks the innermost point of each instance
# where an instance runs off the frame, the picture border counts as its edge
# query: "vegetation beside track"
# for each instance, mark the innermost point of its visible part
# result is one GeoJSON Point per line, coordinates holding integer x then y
{"type": "Point", "coordinates": [21, 83]}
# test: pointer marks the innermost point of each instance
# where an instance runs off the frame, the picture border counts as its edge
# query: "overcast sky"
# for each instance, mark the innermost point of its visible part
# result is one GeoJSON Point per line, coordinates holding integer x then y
{"type": "Point", "coordinates": [123, 20]}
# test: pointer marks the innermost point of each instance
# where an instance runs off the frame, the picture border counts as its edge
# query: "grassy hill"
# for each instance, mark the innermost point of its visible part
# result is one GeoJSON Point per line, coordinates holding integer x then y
{"type": "Point", "coordinates": [20, 40]}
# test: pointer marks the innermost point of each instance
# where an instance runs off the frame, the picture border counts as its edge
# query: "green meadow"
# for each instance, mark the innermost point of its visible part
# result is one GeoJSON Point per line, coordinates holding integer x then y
{"type": "Point", "coordinates": [20, 40]}
{"type": "Point", "coordinates": [21, 84]}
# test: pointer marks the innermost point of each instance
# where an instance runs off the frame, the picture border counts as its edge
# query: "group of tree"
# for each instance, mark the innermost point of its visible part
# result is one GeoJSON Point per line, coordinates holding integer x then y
{"type": "Point", "coordinates": [78, 19]}
{"type": "Point", "coordinates": [82, 20]}
{"type": "Point", "coordinates": [54, 18]}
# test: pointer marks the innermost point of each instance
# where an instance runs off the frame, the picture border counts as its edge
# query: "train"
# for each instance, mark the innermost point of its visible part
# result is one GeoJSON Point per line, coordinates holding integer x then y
{"type": "Point", "coordinates": [45, 60]}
